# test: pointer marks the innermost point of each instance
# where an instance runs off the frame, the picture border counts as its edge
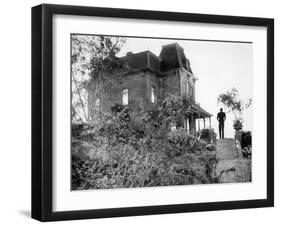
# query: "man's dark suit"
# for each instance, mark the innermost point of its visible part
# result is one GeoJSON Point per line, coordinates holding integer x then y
{"type": "Point", "coordinates": [221, 118]}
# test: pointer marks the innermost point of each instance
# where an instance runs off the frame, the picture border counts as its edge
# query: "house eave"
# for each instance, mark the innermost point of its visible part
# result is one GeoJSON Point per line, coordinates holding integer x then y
{"type": "Point", "coordinates": [189, 73]}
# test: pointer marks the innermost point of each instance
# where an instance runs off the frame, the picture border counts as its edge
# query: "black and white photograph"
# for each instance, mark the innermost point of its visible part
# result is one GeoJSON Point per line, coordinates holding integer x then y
{"type": "Point", "coordinates": [140, 113]}
{"type": "Point", "coordinates": [149, 112]}
{"type": "Point", "coordinates": [143, 112]}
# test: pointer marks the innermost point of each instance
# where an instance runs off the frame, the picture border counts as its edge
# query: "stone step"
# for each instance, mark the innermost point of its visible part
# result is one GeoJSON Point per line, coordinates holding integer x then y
{"type": "Point", "coordinates": [229, 167]}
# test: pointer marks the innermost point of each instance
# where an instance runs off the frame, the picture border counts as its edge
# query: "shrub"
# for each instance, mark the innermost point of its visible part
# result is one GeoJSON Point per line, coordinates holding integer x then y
{"type": "Point", "coordinates": [237, 124]}
{"type": "Point", "coordinates": [208, 135]}
{"type": "Point", "coordinates": [246, 139]}
{"type": "Point", "coordinates": [77, 129]}
{"type": "Point", "coordinates": [246, 143]}
{"type": "Point", "coordinates": [181, 140]}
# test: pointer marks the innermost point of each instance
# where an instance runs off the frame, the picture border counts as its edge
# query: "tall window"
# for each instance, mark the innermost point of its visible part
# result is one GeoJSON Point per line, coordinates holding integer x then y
{"type": "Point", "coordinates": [186, 88]}
{"type": "Point", "coordinates": [186, 125]}
{"type": "Point", "coordinates": [97, 104]}
{"type": "Point", "coordinates": [153, 95]}
{"type": "Point", "coordinates": [125, 97]}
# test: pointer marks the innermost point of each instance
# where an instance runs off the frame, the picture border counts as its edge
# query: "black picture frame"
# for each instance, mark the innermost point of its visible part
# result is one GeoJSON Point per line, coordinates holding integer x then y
{"type": "Point", "coordinates": [42, 107]}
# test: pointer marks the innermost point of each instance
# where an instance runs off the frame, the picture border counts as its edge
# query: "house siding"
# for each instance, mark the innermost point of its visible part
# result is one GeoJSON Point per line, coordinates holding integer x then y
{"type": "Point", "coordinates": [171, 83]}
{"type": "Point", "coordinates": [185, 77]}
{"type": "Point", "coordinates": [139, 89]}
{"type": "Point", "coordinates": [136, 84]}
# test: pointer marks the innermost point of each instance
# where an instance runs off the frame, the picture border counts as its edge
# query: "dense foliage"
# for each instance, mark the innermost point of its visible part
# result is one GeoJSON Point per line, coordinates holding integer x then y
{"type": "Point", "coordinates": [246, 143]}
{"type": "Point", "coordinates": [125, 150]}
{"type": "Point", "coordinates": [238, 124]}
{"type": "Point", "coordinates": [208, 135]}
{"type": "Point", "coordinates": [91, 58]}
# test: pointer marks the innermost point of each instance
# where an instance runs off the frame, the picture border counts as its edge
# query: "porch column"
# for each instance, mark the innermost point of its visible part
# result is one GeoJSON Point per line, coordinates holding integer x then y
{"type": "Point", "coordinates": [198, 124]}
{"type": "Point", "coordinates": [210, 124]}
{"type": "Point", "coordinates": [192, 124]}
{"type": "Point", "coordinates": [204, 123]}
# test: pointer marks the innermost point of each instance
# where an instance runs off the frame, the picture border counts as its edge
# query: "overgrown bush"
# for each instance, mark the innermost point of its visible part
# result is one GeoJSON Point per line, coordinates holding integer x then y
{"type": "Point", "coordinates": [246, 139]}
{"type": "Point", "coordinates": [238, 124]}
{"type": "Point", "coordinates": [125, 150]}
{"type": "Point", "coordinates": [182, 141]}
{"type": "Point", "coordinates": [246, 143]}
{"type": "Point", "coordinates": [124, 166]}
{"type": "Point", "coordinates": [208, 135]}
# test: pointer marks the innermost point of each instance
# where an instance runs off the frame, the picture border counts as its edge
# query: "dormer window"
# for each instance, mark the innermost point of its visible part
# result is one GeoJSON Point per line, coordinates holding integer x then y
{"type": "Point", "coordinates": [153, 95]}
{"type": "Point", "coordinates": [125, 97]}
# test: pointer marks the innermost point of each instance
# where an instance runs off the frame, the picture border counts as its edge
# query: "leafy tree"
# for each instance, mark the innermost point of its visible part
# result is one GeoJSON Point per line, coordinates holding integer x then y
{"type": "Point", "coordinates": [92, 57]}
{"type": "Point", "coordinates": [231, 101]}
{"type": "Point", "coordinates": [172, 109]}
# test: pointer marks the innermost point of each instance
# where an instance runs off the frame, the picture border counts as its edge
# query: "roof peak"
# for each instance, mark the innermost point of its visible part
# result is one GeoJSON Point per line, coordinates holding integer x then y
{"type": "Point", "coordinates": [173, 44]}
{"type": "Point", "coordinates": [137, 53]}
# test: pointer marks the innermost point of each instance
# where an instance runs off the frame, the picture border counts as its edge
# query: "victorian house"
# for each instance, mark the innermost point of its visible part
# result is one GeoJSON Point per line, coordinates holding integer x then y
{"type": "Point", "coordinates": [147, 77]}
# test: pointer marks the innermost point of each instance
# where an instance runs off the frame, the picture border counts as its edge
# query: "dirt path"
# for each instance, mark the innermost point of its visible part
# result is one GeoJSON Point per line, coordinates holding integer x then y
{"type": "Point", "coordinates": [230, 168]}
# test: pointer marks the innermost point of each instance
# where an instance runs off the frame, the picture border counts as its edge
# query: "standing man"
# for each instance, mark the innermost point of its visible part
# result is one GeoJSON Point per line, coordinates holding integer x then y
{"type": "Point", "coordinates": [221, 118]}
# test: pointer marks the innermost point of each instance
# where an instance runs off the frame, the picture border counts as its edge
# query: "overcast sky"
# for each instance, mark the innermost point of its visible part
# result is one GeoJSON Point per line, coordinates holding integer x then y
{"type": "Point", "coordinates": [219, 66]}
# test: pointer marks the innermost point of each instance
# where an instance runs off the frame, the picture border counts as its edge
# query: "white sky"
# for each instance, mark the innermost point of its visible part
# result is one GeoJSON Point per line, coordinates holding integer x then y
{"type": "Point", "coordinates": [219, 66]}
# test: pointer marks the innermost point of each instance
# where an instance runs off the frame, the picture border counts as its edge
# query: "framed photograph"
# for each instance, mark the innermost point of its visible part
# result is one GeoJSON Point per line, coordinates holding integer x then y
{"type": "Point", "coordinates": [146, 112]}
